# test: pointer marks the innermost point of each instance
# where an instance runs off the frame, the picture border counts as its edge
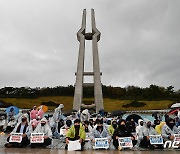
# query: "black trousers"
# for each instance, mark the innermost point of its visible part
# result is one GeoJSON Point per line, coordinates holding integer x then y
{"type": "Point", "coordinates": [25, 141]}
{"type": "Point", "coordinates": [116, 143]}
{"type": "Point", "coordinates": [47, 142]}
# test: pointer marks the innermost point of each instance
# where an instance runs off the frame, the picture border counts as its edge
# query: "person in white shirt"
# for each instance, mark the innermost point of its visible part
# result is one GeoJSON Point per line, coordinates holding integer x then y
{"type": "Point", "coordinates": [23, 128]}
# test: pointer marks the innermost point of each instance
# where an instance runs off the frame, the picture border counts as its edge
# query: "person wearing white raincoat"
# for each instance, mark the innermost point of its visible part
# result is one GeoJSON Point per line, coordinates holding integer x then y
{"type": "Point", "coordinates": [3, 123]}
{"type": "Point", "coordinates": [85, 116]}
{"type": "Point", "coordinates": [58, 113]}
{"type": "Point", "coordinates": [43, 127]}
{"type": "Point", "coordinates": [140, 125]}
{"type": "Point", "coordinates": [144, 136]}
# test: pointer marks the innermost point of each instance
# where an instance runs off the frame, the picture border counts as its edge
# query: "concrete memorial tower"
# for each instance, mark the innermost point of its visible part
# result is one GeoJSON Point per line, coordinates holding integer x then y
{"type": "Point", "coordinates": [78, 94]}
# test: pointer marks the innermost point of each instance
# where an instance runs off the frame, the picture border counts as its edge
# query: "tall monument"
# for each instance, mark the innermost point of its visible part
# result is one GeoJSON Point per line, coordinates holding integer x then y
{"type": "Point", "coordinates": [95, 37]}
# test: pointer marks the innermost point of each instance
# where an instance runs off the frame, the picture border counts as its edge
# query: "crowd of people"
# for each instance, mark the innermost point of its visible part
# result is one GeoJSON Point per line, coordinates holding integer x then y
{"type": "Point", "coordinates": [83, 127]}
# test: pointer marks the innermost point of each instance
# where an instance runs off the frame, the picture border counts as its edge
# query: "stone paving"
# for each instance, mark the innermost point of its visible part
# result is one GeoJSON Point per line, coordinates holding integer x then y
{"type": "Point", "coordinates": [58, 147]}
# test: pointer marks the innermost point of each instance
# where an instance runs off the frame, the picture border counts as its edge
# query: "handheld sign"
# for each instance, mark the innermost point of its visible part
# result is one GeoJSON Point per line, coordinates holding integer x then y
{"type": "Point", "coordinates": [176, 137]}
{"type": "Point", "coordinates": [63, 132]}
{"type": "Point", "coordinates": [16, 137]}
{"type": "Point", "coordinates": [125, 142]}
{"type": "Point", "coordinates": [101, 143]}
{"type": "Point", "coordinates": [156, 139]}
{"type": "Point", "coordinates": [74, 145]}
{"type": "Point", "coordinates": [37, 138]}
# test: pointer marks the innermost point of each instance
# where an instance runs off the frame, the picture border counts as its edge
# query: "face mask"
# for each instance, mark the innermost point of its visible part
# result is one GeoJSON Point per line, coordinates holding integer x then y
{"type": "Point", "coordinates": [171, 125]}
{"type": "Point", "coordinates": [141, 123]}
{"type": "Point", "coordinates": [76, 126]}
{"type": "Point", "coordinates": [42, 124]}
{"type": "Point", "coordinates": [100, 127]}
{"type": "Point", "coordinates": [23, 119]}
{"type": "Point", "coordinates": [148, 125]}
{"type": "Point", "coordinates": [122, 127]}
{"type": "Point", "coordinates": [114, 126]}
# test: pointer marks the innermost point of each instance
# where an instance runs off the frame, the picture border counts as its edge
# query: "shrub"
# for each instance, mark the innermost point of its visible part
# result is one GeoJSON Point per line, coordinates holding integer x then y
{"type": "Point", "coordinates": [50, 103]}
{"type": "Point", "coordinates": [134, 104]}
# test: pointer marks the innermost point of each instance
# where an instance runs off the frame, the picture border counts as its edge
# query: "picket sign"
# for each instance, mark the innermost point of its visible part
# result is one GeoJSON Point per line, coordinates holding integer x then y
{"type": "Point", "coordinates": [37, 138]}
{"type": "Point", "coordinates": [16, 137]}
{"type": "Point", "coordinates": [156, 139]}
{"type": "Point", "coordinates": [125, 142]}
{"type": "Point", "coordinates": [101, 143]}
{"type": "Point", "coordinates": [176, 137]}
{"type": "Point", "coordinates": [63, 132]}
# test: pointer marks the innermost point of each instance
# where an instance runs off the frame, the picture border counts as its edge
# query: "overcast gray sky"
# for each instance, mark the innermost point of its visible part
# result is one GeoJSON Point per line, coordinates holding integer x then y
{"type": "Point", "coordinates": [140, 42]}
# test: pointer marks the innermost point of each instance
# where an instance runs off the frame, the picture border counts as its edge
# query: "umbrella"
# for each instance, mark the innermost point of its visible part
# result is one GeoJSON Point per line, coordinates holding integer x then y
{"type": "Point", "coordinates": [44, 107]}
{"type": "Point", "coordinates": [173, 111]}
{"type": "Point", "coordinates": [73, 110]}
{"type": "Point", "coordinates": [117, 113]}
{"type": "Point", "coordinates": [16, 109]}
{"type": "Point", "coordinates": [176, 105]}
{"type": "Point", "coordinates": [133, 116]}
{"type": "Point", "coordinates": [154, 114]}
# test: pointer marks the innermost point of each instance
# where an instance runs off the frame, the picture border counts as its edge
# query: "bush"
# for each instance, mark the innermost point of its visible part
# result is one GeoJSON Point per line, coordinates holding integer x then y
{"type": "Point", "coordinates": [134, 104]}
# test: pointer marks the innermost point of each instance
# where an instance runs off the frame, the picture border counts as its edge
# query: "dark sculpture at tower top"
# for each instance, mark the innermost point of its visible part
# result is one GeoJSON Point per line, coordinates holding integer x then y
{"type": "Point", "coordinates": [78, 94]}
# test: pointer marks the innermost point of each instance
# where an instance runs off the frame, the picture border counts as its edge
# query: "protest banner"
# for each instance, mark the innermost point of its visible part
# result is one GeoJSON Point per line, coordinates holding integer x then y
{"type": "Point", "coordinates": [74, 145]}
{"type": "Point", "coordinates": [16, 137]}
{"type": "Point", "coordinates": [156, 139]}
{"type": "Point", "coordinates": [176, 137]}
{"type": "Point", "coordinates": [37, 138]}
{"type": "Point", "coordinates": [101, 143]}
{"type": "Point", "coordinates": [125, 142]}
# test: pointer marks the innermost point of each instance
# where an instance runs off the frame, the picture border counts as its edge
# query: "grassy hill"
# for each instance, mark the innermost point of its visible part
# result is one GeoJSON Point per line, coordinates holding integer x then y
{"type": "Point", "coordinates": [109, 104]}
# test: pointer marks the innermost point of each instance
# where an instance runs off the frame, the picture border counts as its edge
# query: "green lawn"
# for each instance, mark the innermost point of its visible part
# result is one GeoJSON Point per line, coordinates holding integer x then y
{"type": "Point", "coordinates": [109, 104]}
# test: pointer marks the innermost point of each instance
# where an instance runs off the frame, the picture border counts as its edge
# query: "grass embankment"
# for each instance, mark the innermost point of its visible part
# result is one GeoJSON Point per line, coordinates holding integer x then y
{"type": "Point", "coordinates": [109, 104]}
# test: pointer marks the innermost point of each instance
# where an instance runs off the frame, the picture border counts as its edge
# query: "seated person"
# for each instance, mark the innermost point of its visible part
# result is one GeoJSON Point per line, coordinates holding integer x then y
{"type": "Point", "coordinates": [33, 125]}
{"type": "Point", "coordinates": [100, 131]}
{"type": "Point", "coordinates": [68, 124]}
{"type": "Point", "coordinates": [87, 127]}
{"type": "Point", "coordinates": [11, 114]}
{"type": "Point", "coordinates": [169, 129]}
{"type": "Point", "coordinates": [139, 126]}
{"type": "Point", "coordinates": [76, 132]}
{"type": "Point", "coordinates": [122, 131]}
{"type": "Point", "coordinates": [11, 125]}
{"type": "Point", "coordinates": [131, 126]}
{"type": "Point", "coordinates": [56, 128]}
{"type": "Point", "coordinates": [144, 136]}
{"type": "Point", "coordinates": [43, 127]}
{"type": "Point", "coordinates": [91, 123]}
{"type": "Point", "coordinates": [20, 128]}
{"type": "Point", "coordinates": [3, 123]}
{"type": "Point", "coordinates": [158, 128]}
{"type": "Point", "coordinates": [112, 128]}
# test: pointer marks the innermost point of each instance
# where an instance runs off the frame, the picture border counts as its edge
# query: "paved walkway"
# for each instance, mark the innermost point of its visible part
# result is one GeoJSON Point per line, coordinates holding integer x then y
{"type": "Point", "coordinates": [58, 148]}
{"type": "Point", "coordinates": [56, 151]}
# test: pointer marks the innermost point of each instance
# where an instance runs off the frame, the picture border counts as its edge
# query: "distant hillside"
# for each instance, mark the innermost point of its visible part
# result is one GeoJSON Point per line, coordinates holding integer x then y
{"type": "Point", "coordinates": [109, 104]}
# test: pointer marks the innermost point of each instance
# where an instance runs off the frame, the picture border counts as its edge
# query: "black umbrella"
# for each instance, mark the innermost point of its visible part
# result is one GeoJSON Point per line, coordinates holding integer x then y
{"type": "Point", "coordinates": [73, 110]}
{"type": "Point", "coordinates": [135, 117]}
{"type": "Point", "coordinates": [154, 114]}
{"type": "Point", "coordinates": [117, 113]}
